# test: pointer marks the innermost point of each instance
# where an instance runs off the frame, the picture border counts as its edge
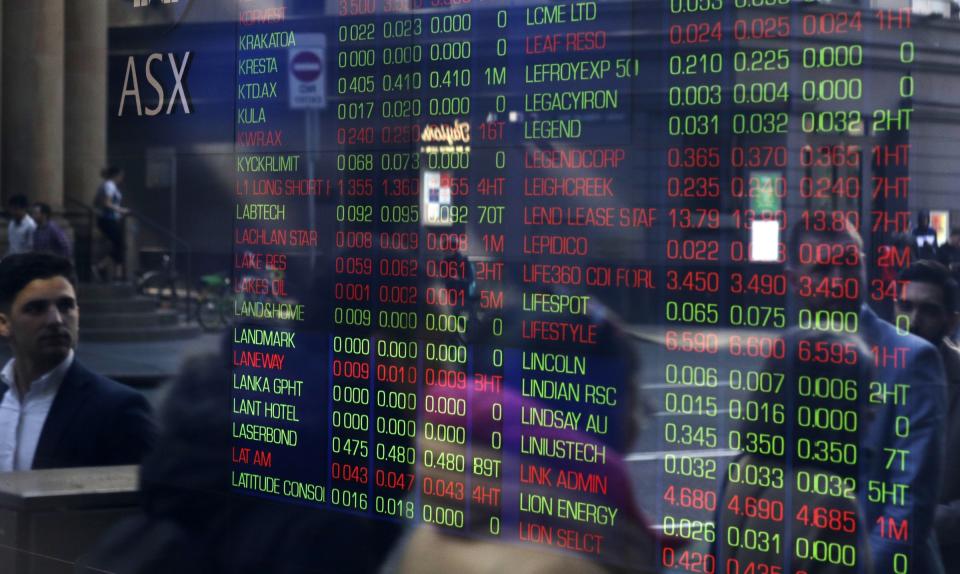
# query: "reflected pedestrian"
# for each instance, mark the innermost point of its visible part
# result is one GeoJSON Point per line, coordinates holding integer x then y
{"type": "Point", "coordinates": [21, 227]}
{"type": "Point", "coordinates": [110, 221]}
{"type": "Point", "coordinates": [949, 252]}
{"type": "Point", "coordinates": [928, 306]}
{"type": "Point", "coordinates": [48, 237]}
{"type": "Point", "coordinates": [925, 237]}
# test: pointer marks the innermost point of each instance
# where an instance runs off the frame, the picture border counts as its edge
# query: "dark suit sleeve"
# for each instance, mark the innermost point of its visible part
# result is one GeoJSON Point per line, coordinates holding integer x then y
{"type": "Point", "coordinates": [947, 523]}
{"type": "Point", "coordinates": [63, 244]}
{"type": "Point", "coordinates": [920, 468]}
{"type": "Point", "coordinates": [131, 429]}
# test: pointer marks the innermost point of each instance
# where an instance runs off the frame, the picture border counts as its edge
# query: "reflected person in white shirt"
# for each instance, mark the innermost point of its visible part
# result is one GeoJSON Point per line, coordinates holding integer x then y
{"type": "Point", "coordinates": [21, 227]}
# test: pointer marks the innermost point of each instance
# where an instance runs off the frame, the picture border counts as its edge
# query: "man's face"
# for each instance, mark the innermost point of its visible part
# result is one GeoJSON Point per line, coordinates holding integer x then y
{"type": "Point", "coordinates": [922, 304]}
{"type": "Point", "coordinates": [39, 217]}
{"type": "Point", "coordinates": [42, 324]}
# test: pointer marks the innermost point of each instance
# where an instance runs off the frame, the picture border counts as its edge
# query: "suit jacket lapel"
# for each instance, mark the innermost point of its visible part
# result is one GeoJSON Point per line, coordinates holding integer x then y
{"type": "Point", "coordinates": [68, 402]}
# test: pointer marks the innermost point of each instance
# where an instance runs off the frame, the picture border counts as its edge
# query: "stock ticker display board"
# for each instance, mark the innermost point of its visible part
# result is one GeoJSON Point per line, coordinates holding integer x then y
{"type": "Point", "coordinates": [605, 278]}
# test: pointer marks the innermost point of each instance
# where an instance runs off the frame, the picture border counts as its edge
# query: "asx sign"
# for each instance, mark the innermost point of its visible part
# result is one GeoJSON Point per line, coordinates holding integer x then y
{"type": "Point", "coordinates": [174, 11]}
{"type": "Point", "coordinates": [170, 92]}
{"type": "Point", "coordinates": [145, 3]}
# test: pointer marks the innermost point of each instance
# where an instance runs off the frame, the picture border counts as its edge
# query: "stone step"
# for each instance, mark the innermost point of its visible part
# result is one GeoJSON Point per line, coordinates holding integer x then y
{"type": "Point", "coordinates": [119, 305]}
{"type": "Point", "coordinates": [105, 291]}
{"type": "Point", "coordinates": [161, 333]}
{"type": "Point", "coordinates": [157, 318]}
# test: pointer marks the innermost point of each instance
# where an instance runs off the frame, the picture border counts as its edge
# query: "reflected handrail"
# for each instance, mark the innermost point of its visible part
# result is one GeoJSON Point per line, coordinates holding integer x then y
{"type": "Point", "coordinates": [91, 225]}
{"type": "Point", "coordinates": [183, 244]}
{"type": "Point", "coordinates": [177, 240]}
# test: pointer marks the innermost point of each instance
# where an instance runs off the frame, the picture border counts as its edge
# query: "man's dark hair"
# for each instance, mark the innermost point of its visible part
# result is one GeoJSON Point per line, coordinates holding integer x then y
{"type": "Point", "coordinates": [43, 208]}
{"type": "Point", "coordinates": [18, 202]}
{"type": "Point", "coordinates": [934, 273]}
{"type": "Point", "coordinates": [18, 270]}
{"type": "Point", "coordinates": [954, 231]}
{"type": "Point", "coordinates": [110, 172]}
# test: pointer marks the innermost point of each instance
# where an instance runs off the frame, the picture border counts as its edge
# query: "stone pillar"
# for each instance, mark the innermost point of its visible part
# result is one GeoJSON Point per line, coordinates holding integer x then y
{"type": "Point", "coordinates": [33, 70]}
{"type": "Point", "coordinates": [85, 108]}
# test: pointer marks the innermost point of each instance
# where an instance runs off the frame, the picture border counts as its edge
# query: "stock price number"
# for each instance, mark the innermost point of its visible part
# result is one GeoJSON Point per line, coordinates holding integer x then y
{"type": "Point", "coordinates": [692, 342]}
{"type": "Point", "coordinates": [695, 498]}
{"type": "Point", "coordinates": [828, 518]}
{"type": "Point", "coordinates": [692, 312]}
{"type": "Point", "coordinates": [690, 435]}
{"type": "Point", "coordinates": [756, 507]}
{"type": "Point", "coordinates": [767, 444]}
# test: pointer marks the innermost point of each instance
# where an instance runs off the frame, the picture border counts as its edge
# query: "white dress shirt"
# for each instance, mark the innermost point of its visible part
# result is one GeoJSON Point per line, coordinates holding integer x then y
{"type": "Point", "coordinates": [109, 194]}
{"type": "Point", "coordinates": [20, 235]}
{"type": "Point", "coordinates": [22, 419]}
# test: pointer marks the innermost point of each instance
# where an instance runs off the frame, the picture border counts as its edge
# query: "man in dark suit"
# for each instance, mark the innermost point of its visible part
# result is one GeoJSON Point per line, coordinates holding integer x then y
{"type": "Point", "coordinates": [927, 303]}
{"type": "Point", "coordinates": [902, 436]}
{"type": "Point", "coordinates": [54, 412]}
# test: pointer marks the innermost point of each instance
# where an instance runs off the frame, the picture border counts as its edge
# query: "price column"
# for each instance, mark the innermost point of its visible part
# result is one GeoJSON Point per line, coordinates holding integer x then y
{"type": "Point", "coordinates": [754, 530]}
{"type": "Point", "coordinates": [445, 141]}
{"type": "Point", "coordinates": [695, 157]}
{"type": "Point", "coordinates": [352, 345]}
{"type": "Point", "coordinates": [831, 96]}
{"type": "Point", "coordinates": [399, 351]}
{"type": "Point", "coordinates": [830, 378]}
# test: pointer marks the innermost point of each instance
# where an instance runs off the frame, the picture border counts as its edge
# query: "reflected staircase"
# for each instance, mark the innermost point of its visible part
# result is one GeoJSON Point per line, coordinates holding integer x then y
{"type": "Point", "coordinates": [115, 312]}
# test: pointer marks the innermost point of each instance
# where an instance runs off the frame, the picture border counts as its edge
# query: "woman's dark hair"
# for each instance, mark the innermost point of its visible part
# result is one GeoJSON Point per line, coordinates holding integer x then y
{"type": "Point", "coordinates": [18, 202]}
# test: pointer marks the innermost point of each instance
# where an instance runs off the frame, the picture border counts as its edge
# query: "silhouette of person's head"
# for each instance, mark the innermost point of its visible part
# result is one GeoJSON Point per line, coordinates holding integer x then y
{"type": "Point", "coordinates": [39, 315]}
{"type": "Point", "coordinates": [17, 207]}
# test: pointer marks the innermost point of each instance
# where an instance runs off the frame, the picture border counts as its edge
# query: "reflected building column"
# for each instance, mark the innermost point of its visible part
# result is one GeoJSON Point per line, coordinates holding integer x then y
{"type": "Point", "coordinates": [33, 81]}
{"type": "Point", "coordinates": [85, 108]}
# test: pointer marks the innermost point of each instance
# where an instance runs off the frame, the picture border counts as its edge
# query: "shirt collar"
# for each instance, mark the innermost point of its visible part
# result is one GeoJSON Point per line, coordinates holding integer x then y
{"type": "Point", "coordinates": [48, 382]}
{"type": "Point", "coordinates": [26, 221]}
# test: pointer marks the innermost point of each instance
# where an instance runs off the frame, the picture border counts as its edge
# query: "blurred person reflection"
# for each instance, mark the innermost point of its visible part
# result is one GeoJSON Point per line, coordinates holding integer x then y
{"type": "Point", "coordinates": [909, 368]}
{"type": "Point", "coordinates": [770, 507]}
{"type": "Point", "coordinates": [190, 521]}
{"type": "Point", "coordinates": [628, 546]}
{"type": "Point", "coordinates": [21, 227]}
{"type": "Point", "coordinates": [53, 411]}
{"type": "Point", "coordinates": [949, 252]}
{"type": "Point", "coordinates": [110, 214]}
{"type": "Point", "coordinates": [925, 237]}
{"type": "Point", "coordinates": [48, 237]}
{"type": "Point", "coordinates": [928, 303]}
